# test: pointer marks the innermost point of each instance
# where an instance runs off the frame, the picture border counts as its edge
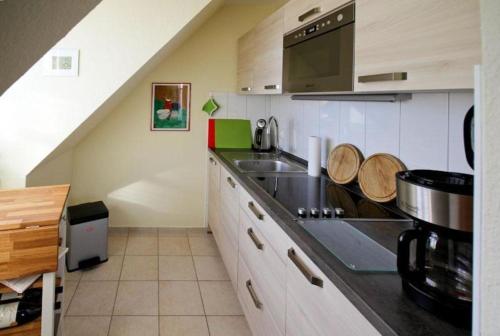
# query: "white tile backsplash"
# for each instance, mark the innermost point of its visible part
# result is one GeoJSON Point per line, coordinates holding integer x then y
{"type": "Point", "coordinates": [310, 126]}
{"type": "Point", "coordinates": [256, 109]}
{"type": "Point", "coordinates": [221, 98]}
{"type": "Point", "coordinates": [424, 132]}
{"type": "Point", "coordinates": [329, 127]}
{"type": "Point", "coordinates": [382, 128]}
{"type": "Point", "coordinates": [352, 124]}
{"type": "Point", "coordinates": [237, 106]}
{"type": "Point", "coordinates": [459, 105]}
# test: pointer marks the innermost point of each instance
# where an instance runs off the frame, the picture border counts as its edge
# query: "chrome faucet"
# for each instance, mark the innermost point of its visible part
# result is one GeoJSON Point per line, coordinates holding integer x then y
{"type": "Point", "coordinates": [276, 141]}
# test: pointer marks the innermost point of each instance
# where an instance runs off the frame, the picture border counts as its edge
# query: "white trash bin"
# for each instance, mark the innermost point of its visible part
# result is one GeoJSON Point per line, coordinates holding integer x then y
{"type": "Point", "coordinates": [87, 235]}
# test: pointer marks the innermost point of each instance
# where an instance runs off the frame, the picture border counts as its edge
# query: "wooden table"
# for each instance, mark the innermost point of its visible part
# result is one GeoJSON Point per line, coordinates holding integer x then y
{"type": "Point", "coordinates": [29, 239]}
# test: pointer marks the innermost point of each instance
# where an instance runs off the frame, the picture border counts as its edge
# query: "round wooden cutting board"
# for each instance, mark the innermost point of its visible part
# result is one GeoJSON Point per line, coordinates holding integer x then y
{"type": "Point", "coordinates": [377, 177]}
{"type": "Point", "coordinates": [343, 163]}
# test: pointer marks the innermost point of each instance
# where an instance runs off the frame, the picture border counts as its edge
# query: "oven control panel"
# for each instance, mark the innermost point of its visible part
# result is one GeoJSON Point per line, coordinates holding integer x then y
{"type": "Point", "coordinates": [332, 21]}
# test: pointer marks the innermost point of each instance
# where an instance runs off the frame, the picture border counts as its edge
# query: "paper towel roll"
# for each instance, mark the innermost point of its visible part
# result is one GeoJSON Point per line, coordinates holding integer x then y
{"type": "Point", "coordinates": [314, 160]}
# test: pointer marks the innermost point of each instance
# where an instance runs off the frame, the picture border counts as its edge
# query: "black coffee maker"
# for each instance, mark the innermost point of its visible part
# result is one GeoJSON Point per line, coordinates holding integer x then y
{"type": "Point", "coordinates": [435, 258]}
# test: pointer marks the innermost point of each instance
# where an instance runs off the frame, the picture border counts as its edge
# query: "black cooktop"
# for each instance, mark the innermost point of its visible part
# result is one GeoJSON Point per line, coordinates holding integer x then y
{"type": "Point", "coordinates": [309, 197]}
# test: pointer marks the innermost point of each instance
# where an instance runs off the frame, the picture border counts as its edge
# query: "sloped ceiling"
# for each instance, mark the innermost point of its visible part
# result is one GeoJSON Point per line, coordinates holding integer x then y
{"type": "Point", "coordinates": [119, 42]}
{"type": "Point", "coordinates": [86, 127]}
{"type": "Point", "coordinates": [29, 28]}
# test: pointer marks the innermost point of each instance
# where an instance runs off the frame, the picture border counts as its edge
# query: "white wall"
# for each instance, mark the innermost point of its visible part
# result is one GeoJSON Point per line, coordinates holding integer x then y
{"type": "Point", "coordinates": [58, 170]}
{"type": "Point", "coordinates": [424, 132]}
{"type": "Point", "coordinates": [157, 179]}
{"type": "Point", "coordinates": [116, 41]}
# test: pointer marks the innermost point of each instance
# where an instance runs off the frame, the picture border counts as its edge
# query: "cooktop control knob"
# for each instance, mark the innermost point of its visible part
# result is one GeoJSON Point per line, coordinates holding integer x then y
{"type": "Point", "coordinates": [302, 212]}
{"type": "Point", "coordinates": [315, 212]}
{"type": "Point", "coordinates": [327, 213]}
{"type": "Point", "coordinates": [339, 212]}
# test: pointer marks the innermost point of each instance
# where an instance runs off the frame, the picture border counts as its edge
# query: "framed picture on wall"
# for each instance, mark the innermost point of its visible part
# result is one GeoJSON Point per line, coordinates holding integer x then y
{"type": "Point", "coordinates": [171, 106]}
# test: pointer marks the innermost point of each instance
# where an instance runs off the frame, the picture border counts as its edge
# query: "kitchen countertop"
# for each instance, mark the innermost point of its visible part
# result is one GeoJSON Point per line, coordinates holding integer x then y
{"type": "Point", "coordinates": [40, 206]}
{"type": "Point", "coordinates": [378, 296]}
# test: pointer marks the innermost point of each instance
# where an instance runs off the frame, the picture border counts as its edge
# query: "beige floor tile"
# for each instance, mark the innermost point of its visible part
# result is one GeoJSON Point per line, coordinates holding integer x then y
{"type": "Point", "coordinates": [69, 291]}
{"type": "Point", "coordinates": [142, 246]}
{"type": "Point", "coordinates": [116, 245]}
{"type": "Point", "coordinates": [143, 232]}
{"type": "Point", "coordinates": [140, 268]}
{"type": "Point", "coordinates": [118, 232]}
{"type": "Point", "coordinates": [203, 246]}
{"type": "Point", "coordinates": [228, 325]}
{"type": "Point", "coordinates": [180, 298]}
{"type": "Point", "coordinates": [93, 298]}
{"type": "Point", "coordinates": [183, 326]}
{"type": "Point", "coordinates": [73, 276]}
{"type": "Point", "coordinates": [137, 298]}
{"type": "Point", "coordinates": [219, 298]}
{"type": "Point", "coordinates": [174, 246]}
{"type": "Point", "coordinates": [198, 232]}
{"type": "Point", "coordinates": [110, 270]}
{"type": "Point", "coordinates": [86, 325]}
{"type": "Point", "coordinates": [176, 268]}
{"type": "Point", "coordinates": [134, 326]}
{"type": "Point", "coordinates": [172, 232]}
{"type": "Point", "coordinates": [210, 268]}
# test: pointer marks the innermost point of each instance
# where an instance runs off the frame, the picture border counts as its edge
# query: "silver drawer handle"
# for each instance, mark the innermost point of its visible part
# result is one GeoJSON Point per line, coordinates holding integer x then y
{"type": "Point", "coordinates": [245, 89]}
{"type": "Point", "coordinates": [314, 280]}
{"type": "Point", "coordinates": [271, 87]}
{"type": "Point", "coordinates": [255, 240]}
{"type": "Point", "coordinates": [310, 12]}
{"type": "Point", "coordinates": [213, 161]}
{"type": "Point", "coordinates": [254, 297]}
{"type": "Point", "coordinates": [231, 183]}
{"type": "Point", "coordinates": [255, 211]}
{"type": "Point", "coordinates": [385, 77]}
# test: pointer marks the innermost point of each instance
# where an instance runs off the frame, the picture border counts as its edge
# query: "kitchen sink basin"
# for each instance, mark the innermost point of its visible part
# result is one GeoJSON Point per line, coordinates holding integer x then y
{"type": "Point", "coordinates": [267, 166]}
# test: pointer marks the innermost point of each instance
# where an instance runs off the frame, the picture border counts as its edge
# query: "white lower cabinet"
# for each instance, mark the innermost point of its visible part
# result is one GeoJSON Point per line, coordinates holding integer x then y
{"type": "Point", "coordinates": [254, 303]}
{"type": "Point", "coordinates": [315, 306]}
{"type": "Point", "coordinates": [267, 269]}
{"type": "Point", "coordinates": [228, 245]}
{"type": "Point", "coordinates": [282, 292]}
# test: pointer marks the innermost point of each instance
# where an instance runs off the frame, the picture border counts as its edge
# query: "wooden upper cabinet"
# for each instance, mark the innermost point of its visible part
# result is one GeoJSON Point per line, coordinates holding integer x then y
{"type": "Point", "coordinates": [433, 43]}
{"type": "Point", "coordinates": [246, 61]}
{"type": "Point", "coordinates": [268, 52]}
{"type": "Point", "coordinates": [301, 12]}
{"type": "Point", "coordinates": [260, 57]}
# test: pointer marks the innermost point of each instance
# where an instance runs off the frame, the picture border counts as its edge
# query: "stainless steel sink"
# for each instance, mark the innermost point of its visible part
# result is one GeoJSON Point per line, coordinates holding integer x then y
{"type": "Point", "coordinates": [252, 162]}
{"type": "Point", "coordinates": [267, 166]}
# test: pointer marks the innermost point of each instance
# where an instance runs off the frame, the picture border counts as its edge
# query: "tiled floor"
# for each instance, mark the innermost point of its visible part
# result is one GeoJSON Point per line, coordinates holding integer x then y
{"type": "Point", "coordinates": [158, 282]}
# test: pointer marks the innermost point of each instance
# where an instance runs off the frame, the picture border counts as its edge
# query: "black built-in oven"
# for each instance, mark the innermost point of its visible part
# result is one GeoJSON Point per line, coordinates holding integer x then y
{"type": "Point", "coordinates": [319, 56]}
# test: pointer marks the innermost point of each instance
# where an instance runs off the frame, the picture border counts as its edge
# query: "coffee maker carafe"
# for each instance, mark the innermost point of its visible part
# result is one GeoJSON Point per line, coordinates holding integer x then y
{"type": "Point", "coordinates": [435, 258]}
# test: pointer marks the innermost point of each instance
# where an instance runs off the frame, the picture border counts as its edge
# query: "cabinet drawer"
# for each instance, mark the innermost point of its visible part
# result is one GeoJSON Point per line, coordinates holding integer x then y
{"type": "Point", "coordinates": [213, 173]}
{"type": "Point", "coordinates": [213, 212]}
{"type": "Point", "coordinates": [228, 251]}
{"type": "Point", "coordinates": [230, 225]}
{"type": "Point", "coordinates": [266, 268]}
{"type": "Point", "coordinates": [230, 192]}
{"type": "Point", "coordinates": [301, 12]}
{"type": "Point", "coordinates": [320, 305]}
{"type": "Point", "coordinates": [28, 251]}
{"type": "Point", "coordinates": [250, 296]}
{"type": "Point", "coordinates": [269, 228]}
